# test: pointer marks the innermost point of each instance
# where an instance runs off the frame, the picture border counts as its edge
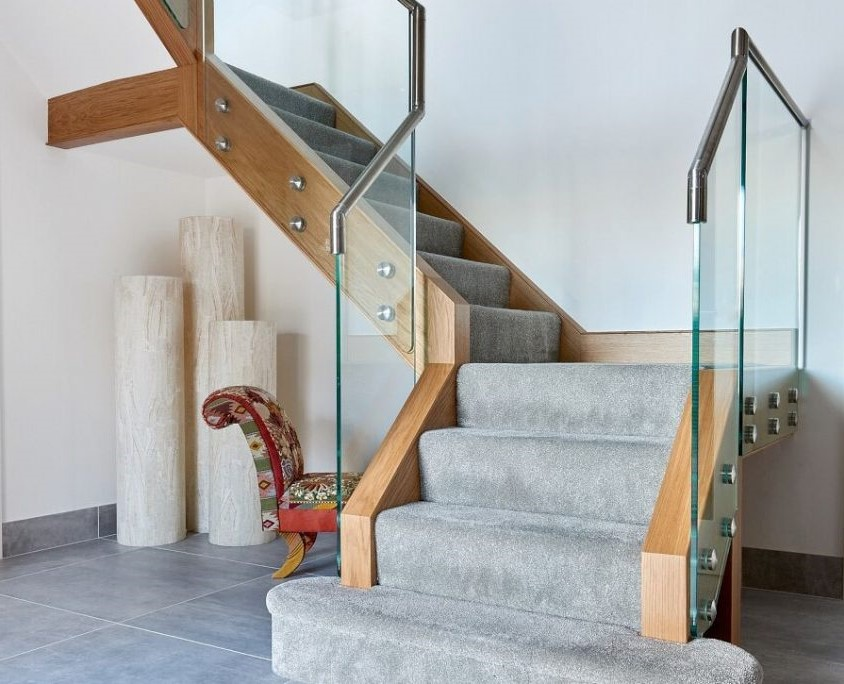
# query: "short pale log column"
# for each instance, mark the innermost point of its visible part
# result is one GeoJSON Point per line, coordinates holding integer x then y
{"type": "Point", "coordinates": [242, 353]}
{"type": "Point", "coordinates": [149, 374]}
{"type": "Point", "coordinates": [212, 269]}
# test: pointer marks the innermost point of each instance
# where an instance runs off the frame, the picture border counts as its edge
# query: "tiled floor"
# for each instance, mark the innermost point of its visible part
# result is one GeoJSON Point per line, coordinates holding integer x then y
{"type": "Point", "coordinates": [101, 612]}
{"type": "Point", "coordinates": [194, 612]}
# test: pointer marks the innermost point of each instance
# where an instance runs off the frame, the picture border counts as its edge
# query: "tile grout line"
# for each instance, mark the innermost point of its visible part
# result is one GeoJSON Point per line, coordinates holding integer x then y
{"type": "Point", "coordinates": [193, 641]}
{"type": "Point", "coordinates": [51, 548]}
{"type": "Point", "coordinates": [55, 643]}
{"type": "Point", "coordinates": [194, 598]}
{"type": "Point", "coordinates": [66, 565]}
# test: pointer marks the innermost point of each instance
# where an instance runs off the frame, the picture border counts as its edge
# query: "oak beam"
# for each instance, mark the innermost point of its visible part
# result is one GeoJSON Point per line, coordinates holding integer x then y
{"type": "Point", "coordinates": [160, 101]}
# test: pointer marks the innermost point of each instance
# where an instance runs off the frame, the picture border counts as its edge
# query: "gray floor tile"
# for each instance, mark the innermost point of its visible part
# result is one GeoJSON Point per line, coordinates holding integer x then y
{"type": "Point", "coordinates": [128, 585]}
{"type": "Point", "coordinates": [266, 555]}
{"type": "Point", "coordinates": [25, 626]}
{"type": "Point", "coordinates": [126, 655]}
{"type": "Point", "coordinates": [235, 618]}
{"type": "Point", "coordinates": [58, 557]}
{"type": "Point", "coordinates": [793, 623]}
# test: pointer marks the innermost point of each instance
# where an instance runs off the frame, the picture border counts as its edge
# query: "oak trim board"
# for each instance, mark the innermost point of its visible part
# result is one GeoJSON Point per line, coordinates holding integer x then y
{"type": "Point", "coordinates": [665, 551]}
{"type": "Point", "coordinates": [182, 44]}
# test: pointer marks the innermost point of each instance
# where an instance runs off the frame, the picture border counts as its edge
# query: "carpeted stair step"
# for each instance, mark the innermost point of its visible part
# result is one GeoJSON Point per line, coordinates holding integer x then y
{"type": "Point", "coordinates": [330, 140]}
{"type": "Point", "coordinates": [574, 398]}
{"type": "Point", "coordinates": [571, 567]}
{"type": "Point", "coordinates": [389, 187]}
{"type": "Point", "coordinates": [433, 235]}
{"type": "Point", "coordinates": [544, 473]}
{"type": "Point", "coordinates": [323, 633]}
{"type": "Point", "coordinates": [513, 336]}
{"type": "Point", "coordinates": [287, 99]}
{"type": "Point", "coordinates": [478, 283]}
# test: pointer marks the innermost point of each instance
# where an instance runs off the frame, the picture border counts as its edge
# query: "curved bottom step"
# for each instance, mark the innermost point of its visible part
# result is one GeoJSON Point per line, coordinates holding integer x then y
{"type": "Point", "coordinates": [325, 633]}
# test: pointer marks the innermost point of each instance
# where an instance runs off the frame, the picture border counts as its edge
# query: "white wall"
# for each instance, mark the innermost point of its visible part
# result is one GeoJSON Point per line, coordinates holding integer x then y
{"type": "Point", "coordinates": [564, 130]}
{"type": "Point", "coordinates": [70, 223]}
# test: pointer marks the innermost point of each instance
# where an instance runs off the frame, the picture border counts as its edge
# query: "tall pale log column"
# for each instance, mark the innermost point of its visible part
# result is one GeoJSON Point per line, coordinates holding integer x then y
{"type": "Point", "coordinates": [242, 353]}
{"type": "Point", "coordinates": [212, 268]}
{"type": "Point", "coordinates": [149, 374]}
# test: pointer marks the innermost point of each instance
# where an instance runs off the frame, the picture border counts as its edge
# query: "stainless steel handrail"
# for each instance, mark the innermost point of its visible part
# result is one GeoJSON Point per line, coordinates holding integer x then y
{"type": "Point", "coordinates": [386, 154]}
{"type": "Point", "coordinates": [743, 49]}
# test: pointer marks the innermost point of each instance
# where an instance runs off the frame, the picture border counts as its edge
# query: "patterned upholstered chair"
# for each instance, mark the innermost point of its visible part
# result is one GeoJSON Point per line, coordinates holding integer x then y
{"type": "Point", "coordinates": [299, 505]}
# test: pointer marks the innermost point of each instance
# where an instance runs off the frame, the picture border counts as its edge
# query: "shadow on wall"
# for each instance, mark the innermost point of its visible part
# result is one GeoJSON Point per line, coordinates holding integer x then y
{"type": "Point", "coordinates": [788, 487]}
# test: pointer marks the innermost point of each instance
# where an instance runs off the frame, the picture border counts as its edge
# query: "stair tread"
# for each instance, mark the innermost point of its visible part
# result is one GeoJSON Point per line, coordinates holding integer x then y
{"type": "Point", "coordinates": [576, 471]}
{"type": "Point", "coordinates": [328, 139]}
{"type": "Point", "coordinates": [387, 635]}
{"type": "Point", "coordinates": [525, 522]}
{"type": "Point", "coordinates": [532, 561]}
{"type": "Point", "coordinates": [433, 234]}
{"type": "Point", "coordinates": [388, 188]}
{"type": "Point", "coordinates": [477, 282]}
{"type": "Point", "coordinates": [289, 100]}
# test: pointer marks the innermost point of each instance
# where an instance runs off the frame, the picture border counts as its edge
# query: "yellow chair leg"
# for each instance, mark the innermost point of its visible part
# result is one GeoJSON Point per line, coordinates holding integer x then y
{"type": "Point", "coordinates": [295, 553]}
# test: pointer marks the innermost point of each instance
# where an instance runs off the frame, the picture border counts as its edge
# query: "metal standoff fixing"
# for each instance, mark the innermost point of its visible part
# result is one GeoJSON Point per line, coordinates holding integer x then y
{"type": "Point", "coordinates": [750, 406]}
{"type": "Point", "coordinates": [707, 560]}
{"type": "Point", "coordinates": [774, 400]}
{"type": "Point", "coordinates": [773, 426]}
{"type": "Point", "coordinates": [222, 144]}
{"type": "Point", "coordinates": [793, 395]}
{"type": "Point", "coordinates": [385, 269]}
{"type": "Point", "coordinates": [792, 419]}
{"type": "Point", "coordinates": [386, 313]}
{"type": "Point", "coordinates": [728, 527]}
{"type": "Point", "coordinates": [297, 224]}
{"type": "Point", "coordinates": [297, 183]}
{"type": "Point", "coordinates": [707, 610]}
{"type": "Point", "coordinates": [221, 104]}
{"type": "Point", "coordinates": [751, 434]}
{"type": "Point", "coordinates": [729, 474]}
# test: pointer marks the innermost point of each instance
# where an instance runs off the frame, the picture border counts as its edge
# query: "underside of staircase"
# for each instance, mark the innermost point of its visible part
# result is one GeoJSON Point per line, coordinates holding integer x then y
{"type": "Point", "coordinates": [511, 545]}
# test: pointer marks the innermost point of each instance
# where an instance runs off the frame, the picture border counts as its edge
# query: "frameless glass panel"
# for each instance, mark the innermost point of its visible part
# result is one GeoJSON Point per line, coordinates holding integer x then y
{"type": "Point", "coordinates": [333, 79]}
{"type": "Point", "coordinates": [772, 263]}
{"type": "Point", "coordinates": [179, 10]}
{"type": "Point", "coordinates": [716, 362]}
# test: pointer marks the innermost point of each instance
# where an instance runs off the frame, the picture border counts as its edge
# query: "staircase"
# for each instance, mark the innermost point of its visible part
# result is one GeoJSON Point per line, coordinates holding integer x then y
{"type": "Point", "coordinates": [498, 334]}
{"type": "Point", "coordinates": [523, 519]}
{"type": "Point", "coordinates": [533, 510]}
{"type": "Point", "coordinates": [521, 563]}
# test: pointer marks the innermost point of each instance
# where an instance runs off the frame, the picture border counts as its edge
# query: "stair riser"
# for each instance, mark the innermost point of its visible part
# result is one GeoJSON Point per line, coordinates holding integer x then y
{"type": "Point", "coordinates": [575, 399]}
{"type": "Point", "coordinates": [477, 283]}
{"type": "Point", "coordinates": [507, 336]}
{"type": "Point", "coordinates": [587, 578]}
{"type": "Point", "coordinates": [543, 474]}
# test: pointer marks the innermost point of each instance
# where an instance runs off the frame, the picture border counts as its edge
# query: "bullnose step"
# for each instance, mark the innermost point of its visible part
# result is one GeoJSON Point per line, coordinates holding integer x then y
{"type": "Point", "coordinates": [326, 633]}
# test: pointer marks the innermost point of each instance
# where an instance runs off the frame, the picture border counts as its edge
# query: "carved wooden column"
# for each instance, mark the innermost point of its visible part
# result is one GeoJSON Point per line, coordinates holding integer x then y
{"type": "Point", "coordinates": [149, 374]}
{"type": "Point", "coordinates": [212, 269]}
{"type": "Point", "coordinates": [242, 353]}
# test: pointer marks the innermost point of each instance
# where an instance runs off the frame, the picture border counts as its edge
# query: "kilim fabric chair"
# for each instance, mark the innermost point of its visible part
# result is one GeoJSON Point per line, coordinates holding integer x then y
{"type": "Point", "coordinates": [299, 505]}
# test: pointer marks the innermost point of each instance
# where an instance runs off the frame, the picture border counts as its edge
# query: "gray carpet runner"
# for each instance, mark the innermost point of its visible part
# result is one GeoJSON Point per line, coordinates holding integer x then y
{"type": "Point", "coordinates": [522, 560]}
{"type": "Point", "coordinates": [498, 334]}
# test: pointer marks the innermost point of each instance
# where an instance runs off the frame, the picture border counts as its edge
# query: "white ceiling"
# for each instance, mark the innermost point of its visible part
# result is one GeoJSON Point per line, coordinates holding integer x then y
{"type": "Point", "coordinates": [66, 45]}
